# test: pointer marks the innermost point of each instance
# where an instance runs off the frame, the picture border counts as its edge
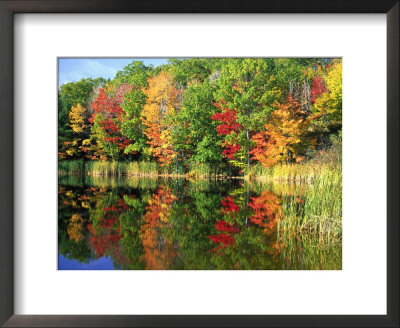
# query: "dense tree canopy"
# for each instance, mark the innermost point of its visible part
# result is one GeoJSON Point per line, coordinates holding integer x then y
{"type": "Point", "coordinates": [227, 112]}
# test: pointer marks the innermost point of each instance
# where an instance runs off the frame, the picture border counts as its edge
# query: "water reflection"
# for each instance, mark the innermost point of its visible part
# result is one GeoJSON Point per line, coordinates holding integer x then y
{"type": "Point", "coordinates": [179, 224]}
{"type": "Point", "coordinates": [103, 263]}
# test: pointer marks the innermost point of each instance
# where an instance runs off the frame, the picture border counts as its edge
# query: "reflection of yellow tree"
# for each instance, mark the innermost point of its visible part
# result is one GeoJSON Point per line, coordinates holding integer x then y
{"type": "Point", "coordinates": [267, 210]}
{"type": "Point", "coordinates": [68, 197]}
{"type": "Point", "coordinates": [158, 251]}
{"type": "Point", "coordinates": [75, 227]}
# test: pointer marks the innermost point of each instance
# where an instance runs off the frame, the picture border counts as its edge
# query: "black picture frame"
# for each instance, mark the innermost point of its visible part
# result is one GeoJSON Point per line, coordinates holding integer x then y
{"type": "Point", "coordinates": [10, 7]}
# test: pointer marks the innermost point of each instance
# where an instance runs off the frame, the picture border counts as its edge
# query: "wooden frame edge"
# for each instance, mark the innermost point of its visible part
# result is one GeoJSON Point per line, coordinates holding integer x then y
{"type": "Point", "coordinates": [7, 10]}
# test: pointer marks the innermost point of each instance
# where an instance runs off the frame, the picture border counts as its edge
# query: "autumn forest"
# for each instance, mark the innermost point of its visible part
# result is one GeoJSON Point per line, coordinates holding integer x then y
{"type": "Point", "coordinates": [202, 163]}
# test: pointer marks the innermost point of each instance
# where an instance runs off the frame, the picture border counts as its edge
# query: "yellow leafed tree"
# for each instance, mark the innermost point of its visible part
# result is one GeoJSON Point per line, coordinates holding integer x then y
{"type": "Point", "coordinates": [284, 137]}
{"type": "Point", "coordinates": [162, 103]}
{"type": "Point", "coordinates": [329, 104]}
{"type": "Point", "coordinates": [77, 118]}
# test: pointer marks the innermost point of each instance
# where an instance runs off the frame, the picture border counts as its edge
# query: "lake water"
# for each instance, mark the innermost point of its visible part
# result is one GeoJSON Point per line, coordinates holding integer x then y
{"type": "Point", "coordinates": [174, 224]}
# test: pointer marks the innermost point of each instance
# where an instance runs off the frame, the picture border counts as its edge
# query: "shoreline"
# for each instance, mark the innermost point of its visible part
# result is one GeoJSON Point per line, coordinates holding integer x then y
{"type": "Point", "coordinates": [307, 173]}
{"type": "Point", "coordinates": [263, 178]}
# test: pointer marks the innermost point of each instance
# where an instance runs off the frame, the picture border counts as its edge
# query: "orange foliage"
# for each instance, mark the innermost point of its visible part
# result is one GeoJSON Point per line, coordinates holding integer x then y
{"type": "Point", "coordinates": [267, 211]}
{"type": "Point", "coordinates": [158, 250]}
{"type": "Point", "coordinates": [162, 102]}
{"type": "Point", "coordinates": [284, 135]}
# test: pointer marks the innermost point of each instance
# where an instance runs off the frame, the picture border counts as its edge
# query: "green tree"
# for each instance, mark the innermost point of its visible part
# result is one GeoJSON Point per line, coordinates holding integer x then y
{"type": "Point", "coordinates": [248, 88]}
{"type": "Point", "coordinates": [135, 74]}
{"type": "Point", "coordinates": [194, 135]}
{"type": "Point", "coordinates": [70, 95]}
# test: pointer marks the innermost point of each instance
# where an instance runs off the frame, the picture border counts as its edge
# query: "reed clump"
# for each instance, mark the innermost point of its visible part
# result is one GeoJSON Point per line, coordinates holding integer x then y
{"type": "Point", "coordinates": [76, 167]}
{"type": "Point", "coordinates": [135, 182]}
{"type": "Point", "coordinates": [145, 169]}
{"type": "Point", "coordinates": [286, 172]}
{"type": "Point", "coordinates": [107, 168]}
{"type": "Point", "coordinates": [137, 168]}
{"type": "Point", "coordinates": [314, 222]}
{"type": "Point", "coordinates": [200, 170]}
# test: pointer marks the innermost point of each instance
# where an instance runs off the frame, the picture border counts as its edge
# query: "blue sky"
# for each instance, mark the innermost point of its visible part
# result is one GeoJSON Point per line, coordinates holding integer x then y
{"type": "Point", "coordinates": [74, 69]}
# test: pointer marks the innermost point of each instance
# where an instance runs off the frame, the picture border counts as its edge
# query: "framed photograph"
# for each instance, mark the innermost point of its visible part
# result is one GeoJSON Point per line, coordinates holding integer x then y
{"type": "Point", "coordinates": [199, 164]}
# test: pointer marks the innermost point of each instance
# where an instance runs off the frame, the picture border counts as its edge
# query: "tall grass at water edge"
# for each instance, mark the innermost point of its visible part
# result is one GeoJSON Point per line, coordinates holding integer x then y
{"type": "Point", "coordinates": [313, 224]}
{"type": "Point", "coordinates": [325, 162]}
{"type": "Point", "coordinates": [108, 168]}
{"type": "Point", "coordinates": [136, 182]}
{"type": "Point", "coordinates": [114, 168]}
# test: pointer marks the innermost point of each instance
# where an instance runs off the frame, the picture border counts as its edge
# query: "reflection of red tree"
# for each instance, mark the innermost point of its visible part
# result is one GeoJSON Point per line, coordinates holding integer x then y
{"type": "Point", "coordinates": [105, 235]}
{"type": "Point", "coordinates": [226, 227]}
{"type": "Point", "coordinates": [106, 241]}
{"type": "Point", "coordinates": [226, 231]}
{"type": "Point", "coordinates": [267, 211]}
{"type": "Point", "coordinates": [229, 205]}
{"type": "Point", "coordinates": [158, 251]}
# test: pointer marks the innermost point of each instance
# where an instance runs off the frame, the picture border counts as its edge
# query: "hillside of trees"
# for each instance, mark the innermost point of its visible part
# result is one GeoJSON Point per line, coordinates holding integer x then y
{"type": "Point", "coordinates": [227, 113]}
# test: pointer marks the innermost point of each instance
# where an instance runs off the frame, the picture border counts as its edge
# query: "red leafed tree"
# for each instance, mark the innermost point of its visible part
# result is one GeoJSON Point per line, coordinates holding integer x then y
{"type": "Point", "coordinates": [107, 119]}
{"type": "Point", "coordinates": [228, 127]}
{"type": "Point", "coordinates": [318, 88]}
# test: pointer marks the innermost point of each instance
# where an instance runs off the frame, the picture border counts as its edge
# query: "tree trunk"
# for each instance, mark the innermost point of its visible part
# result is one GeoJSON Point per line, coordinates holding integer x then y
{"type": "Point", "coordinates": [247, 204]}
{"type": "Point", "coordinates": [248, 149]}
